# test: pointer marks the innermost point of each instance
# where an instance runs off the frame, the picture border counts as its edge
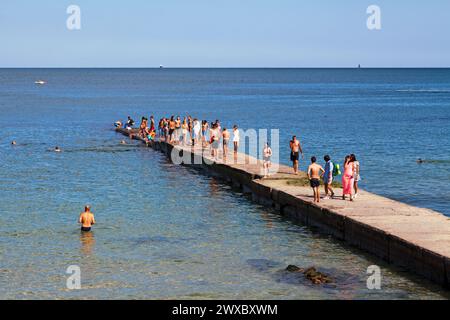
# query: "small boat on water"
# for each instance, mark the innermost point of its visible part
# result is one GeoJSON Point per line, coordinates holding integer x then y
{"type": "Point", "coordinates": [40, 82]}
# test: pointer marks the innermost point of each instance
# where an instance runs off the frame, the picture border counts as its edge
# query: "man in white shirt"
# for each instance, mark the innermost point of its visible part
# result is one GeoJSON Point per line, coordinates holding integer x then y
{"type": "Point", "coordinates": [196, 131]}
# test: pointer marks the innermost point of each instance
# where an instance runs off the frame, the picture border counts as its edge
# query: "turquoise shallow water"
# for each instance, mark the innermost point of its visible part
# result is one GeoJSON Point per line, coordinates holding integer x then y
{"type": "Point", "coordinates": [166, 231]}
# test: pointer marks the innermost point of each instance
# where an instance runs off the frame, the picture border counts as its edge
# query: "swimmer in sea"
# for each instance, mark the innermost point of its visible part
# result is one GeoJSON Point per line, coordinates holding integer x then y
{"type": "Point", "coordinates": [57, 149]}
{"type": "Point", "coordinates": [13, 143]}
{"type": "Point", "coordinates": [86, 219]}
{"type": "Point", "coordinates": [419, 161]}
{"type": "Point", "coordinates": [123, 142]}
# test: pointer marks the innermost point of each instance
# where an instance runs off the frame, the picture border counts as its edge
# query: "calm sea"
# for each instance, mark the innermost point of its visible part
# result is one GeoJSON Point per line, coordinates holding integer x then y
{"type": "Point", "coordinates": [170, 232]}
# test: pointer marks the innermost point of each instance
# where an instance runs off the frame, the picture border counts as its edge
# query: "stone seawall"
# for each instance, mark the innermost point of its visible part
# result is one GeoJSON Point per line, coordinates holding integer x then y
{"type": "Point", "coordinates": [414, 238]}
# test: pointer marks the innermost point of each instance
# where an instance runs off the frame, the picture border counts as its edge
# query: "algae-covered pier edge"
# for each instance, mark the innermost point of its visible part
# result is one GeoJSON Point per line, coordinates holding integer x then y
{"type": "Point", "coordinates": [416, 239]}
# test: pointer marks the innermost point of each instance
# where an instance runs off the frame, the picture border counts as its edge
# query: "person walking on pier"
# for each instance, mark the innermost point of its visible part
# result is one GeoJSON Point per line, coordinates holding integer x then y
{"type": "Point", "coordinates": [267, 156]}
{"type": "Point", "coordinates": [204, 133]}
{"type": "Point", "coordinates": [328, 177]}
{"type": "Point", "coordinates": [185, 131]}
{"type": "Point", "coordinates": [166, 129]}
{"type": "Point", "coordinates": [236, 140]}
{"type": "Point", "coordinates": [226, 139]}
{"type": "Point", "coordinates": [314, 172]}
{"type": "Point", "coordinates": [356, 175]}
{"type": "Point", "coordinates": [172, 126]}
{"type": "Point", "coordinates": [219, 127]}
{"type": "Point", "coordinates": [160, 128]}
{"type": "Point", "coordinates": [143, 127]}
{"type": "Point", "coordinates": [152, 123]}
{"type": "Point", "coordinates": [215, 137]}
{"type": "Point", "coordinates": [87, 219]}
{"type": "Point", "coordinates": [347, 178]}
{"type": "Point", "coordinates": [178, 133]}
{"type": "Point", "coordinates": [196, 131]}
{"type": "Point", "coordinates": [190, 122]}
{"type": "Point", "coordinates": [296, 149]}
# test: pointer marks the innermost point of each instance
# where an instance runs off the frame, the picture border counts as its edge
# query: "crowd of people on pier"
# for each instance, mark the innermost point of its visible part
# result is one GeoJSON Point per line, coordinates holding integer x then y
{"type": "Point", "coordinates": [190, 131]}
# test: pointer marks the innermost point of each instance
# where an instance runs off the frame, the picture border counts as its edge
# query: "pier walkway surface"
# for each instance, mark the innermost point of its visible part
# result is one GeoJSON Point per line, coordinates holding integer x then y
{"type": "Point", "coordinates": [415, 238]}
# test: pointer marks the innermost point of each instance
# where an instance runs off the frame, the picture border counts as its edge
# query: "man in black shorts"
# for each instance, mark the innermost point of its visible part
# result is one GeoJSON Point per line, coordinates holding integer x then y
{"type": "Point", "coordinates": [296, 149]}
{"type": "Point", "coordinates": [314, 172]}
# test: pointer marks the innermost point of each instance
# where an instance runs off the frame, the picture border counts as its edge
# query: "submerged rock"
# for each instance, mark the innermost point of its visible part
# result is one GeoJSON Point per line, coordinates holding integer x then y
{"type": "Point", "coordinates": [317, 277]}
{"type": "Point", "coordinates": [311, 274]}
{"type": "Point", "coordinates": [292, 268]}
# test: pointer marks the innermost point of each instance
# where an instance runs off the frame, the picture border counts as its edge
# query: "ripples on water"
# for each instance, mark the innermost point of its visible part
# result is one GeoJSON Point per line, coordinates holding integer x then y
{"type": "Point", "coordinates": [166, 231]}
{"type": "Point", "coordinates": [163, 231]}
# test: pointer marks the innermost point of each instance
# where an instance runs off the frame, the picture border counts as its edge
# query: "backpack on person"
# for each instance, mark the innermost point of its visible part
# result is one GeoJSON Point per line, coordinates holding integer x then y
{"type": "Point", "coordinates": [336, 170]}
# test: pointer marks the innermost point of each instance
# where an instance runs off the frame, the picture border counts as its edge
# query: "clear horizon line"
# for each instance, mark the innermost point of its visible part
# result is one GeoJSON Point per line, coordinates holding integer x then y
{"type": "Point", "coordinates": [231, 67]}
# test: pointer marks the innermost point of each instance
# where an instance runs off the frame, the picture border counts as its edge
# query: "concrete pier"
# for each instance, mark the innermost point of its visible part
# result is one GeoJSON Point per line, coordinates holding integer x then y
{"type": "Point", "coordinates": [417, 239]}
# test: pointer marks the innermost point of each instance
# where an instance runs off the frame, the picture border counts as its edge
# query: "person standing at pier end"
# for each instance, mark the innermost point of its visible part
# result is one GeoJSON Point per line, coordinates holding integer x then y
{"type": "Point", "coordinates": [296, 149]}
{"type": "Point", "coordinates": [328, 177]}
{"type": "Point", "coordinates": [130, 123]}
{"type": "Point", "coordinates": [314, 172]}
{"type": "Point", "coordinates": [87, 219]}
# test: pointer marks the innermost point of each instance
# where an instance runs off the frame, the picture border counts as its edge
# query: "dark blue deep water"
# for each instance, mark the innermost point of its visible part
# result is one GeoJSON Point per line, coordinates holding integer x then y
{"type": "Point", "coordinates": [169, 232]}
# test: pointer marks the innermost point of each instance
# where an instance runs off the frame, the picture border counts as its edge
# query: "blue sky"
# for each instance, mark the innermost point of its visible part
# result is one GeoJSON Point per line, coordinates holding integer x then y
{"type": "Point", "coordinates": [231, 33]}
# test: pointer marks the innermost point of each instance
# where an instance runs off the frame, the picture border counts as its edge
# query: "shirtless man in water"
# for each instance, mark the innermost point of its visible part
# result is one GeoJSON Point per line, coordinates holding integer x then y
{"type": "Point", "coordinates": [296, 149]}
{"type": "Point", "coordinates": [314, 172]}
{"type": "Point", "coordinates": [86, 219]}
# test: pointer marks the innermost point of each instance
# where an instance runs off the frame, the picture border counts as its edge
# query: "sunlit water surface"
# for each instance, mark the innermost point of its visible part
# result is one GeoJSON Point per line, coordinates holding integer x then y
{"type": "Point", "coordinates": [166, 231]}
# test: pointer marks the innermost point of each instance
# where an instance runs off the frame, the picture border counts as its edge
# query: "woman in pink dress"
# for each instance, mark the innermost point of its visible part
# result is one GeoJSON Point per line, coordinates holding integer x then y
{"type": "Point", "coordinates": [347, 178]}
